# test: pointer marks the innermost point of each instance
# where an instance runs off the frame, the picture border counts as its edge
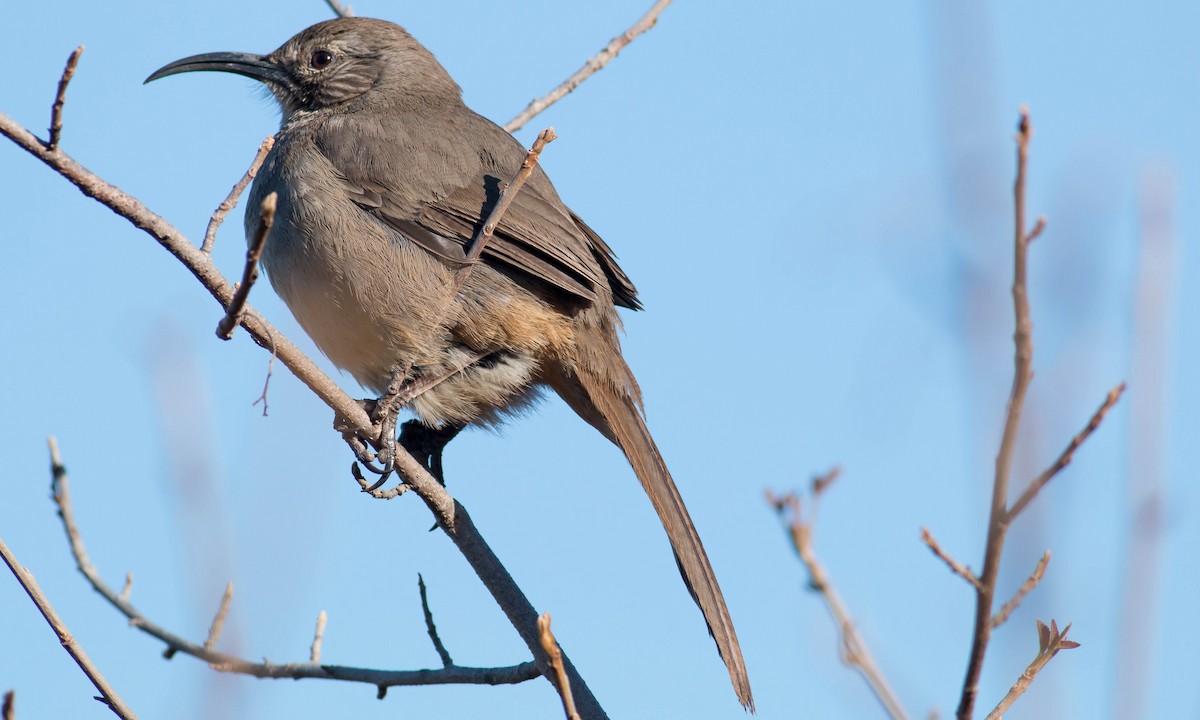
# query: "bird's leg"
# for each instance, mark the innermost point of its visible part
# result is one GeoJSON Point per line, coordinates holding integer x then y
{"type": "Point", "coordinates": [426, 444]}
{"type": "Point", "coordinates": [384, 416]}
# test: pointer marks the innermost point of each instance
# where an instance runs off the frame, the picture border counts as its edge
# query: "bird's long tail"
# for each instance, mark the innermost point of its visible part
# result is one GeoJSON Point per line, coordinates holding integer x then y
{"type": "Point", "coordinates": [615, 411]}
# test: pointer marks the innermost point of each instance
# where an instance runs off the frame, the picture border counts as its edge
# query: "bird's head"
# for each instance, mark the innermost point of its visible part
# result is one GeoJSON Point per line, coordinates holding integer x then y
{"type": "Point", "coordinates": [334, 62]}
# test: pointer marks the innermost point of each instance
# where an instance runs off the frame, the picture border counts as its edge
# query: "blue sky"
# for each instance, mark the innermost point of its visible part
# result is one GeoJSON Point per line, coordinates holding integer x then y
{"type": "Point", "coordinates": [814, 201]}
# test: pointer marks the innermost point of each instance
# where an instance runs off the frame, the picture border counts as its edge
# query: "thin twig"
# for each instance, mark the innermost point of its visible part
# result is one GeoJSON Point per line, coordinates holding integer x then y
{"type": "Point", "coordinates": [429, 626]}
{"type": "Point", "coordinates": [231, 200]}
{"type": "Point", "coordinates": [958, 568]}
{"type": "Point", "coordinates": [60, 97]}
{"type": "Point", "coordinates": [218, 623]}
{"type": "Point", "coordinates": [108, 696]}
{"type": "Point", "coordinates": [1067, 454]}
{"type": "Point", "coordinates": [1026, 587]}
{"type": "Point", "coordinates": [450, 514]}
{"type": "Point", "coordinates": [550, 645]}
{"type": "Point", "coordinates": [339, 9]}
{"type": "Point", "coordinates": [456, 675]}
{"type": "Point", "coordinates": [854, 650]}
{"type": "Point", "coordinates": [507, 195]}
{"type": "Point", "coordinates": [589, 68]}
{"type": "Point", "coordinates": [1022, 374]}
{"type": "Point", "coordinates": [262, 398]}
{"type": "Point", "coordinates": [1050, 642]}
{"type": "Point", "coordinates": [237, 306]}
{"type": "Point", "coordinates": [314, 652]}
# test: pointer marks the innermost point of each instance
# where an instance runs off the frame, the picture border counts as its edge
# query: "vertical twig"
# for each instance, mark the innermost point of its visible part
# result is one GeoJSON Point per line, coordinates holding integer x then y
{"type": "Point", "coordinates": [60, 98]}
{"type": "Point", "coordinates": [1022, 361]}
{"type": "Point", "coordinates": [233, 313]}
{"type": "Point", "coordinates": [550, 645]}
{"type": "Point", "coordinates": [218, 623]}
{"type": "Point", "coordinates": [314, 652]}
{"type": "Point", "coordinates": [854, 650]}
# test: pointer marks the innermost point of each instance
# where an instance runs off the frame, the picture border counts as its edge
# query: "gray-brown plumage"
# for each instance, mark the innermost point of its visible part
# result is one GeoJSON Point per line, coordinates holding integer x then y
{"type": "Point", "coordinates": [383, 176]}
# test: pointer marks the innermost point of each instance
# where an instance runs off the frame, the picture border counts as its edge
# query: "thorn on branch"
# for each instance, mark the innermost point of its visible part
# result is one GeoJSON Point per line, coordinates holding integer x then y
{"type": "Point", "coordinates": [60, 98]}
{"type": "Point", "coordinates": [127, 590]}
{"type": "Point", "coordinates": [237, 305]}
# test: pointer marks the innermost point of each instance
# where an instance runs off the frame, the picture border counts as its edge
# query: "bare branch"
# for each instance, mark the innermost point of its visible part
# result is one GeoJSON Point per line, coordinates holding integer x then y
{"type": "Point", "coordinates": [237, 306]}
{"type": "Point", "coordinates": [589, 68]}
{"type": "Point", "coordinates": [955, 566]}
{"type": "Point", "coordinates": [107, 695]}
{"type": "Point", "coordinates": [429, 626]}
{"type": "Point", "coordinates": [550, 645]}
{"type": "Point", "coordinates": [60, 98]}
{"type": "Point", "coordinates": [1022, 375]}
{"type": "Point", "coordinates": [1026, 587]}
{"type": "Point", "coordinates": [1067, 454]}
{"type": "Point", "coordinates": [1050, 641]}
{"type": "Point", "coordinates": [230, 201]}
{"type": "Point", "coordinates": [854, 651]}
{"type": "Point", "coordinates": [339, 9]}
{"type": "Point", "coordinates": [218, 623]}
{"type": "Point", "coordinates": [314, 652]}
{"type": "Point", "coordinates": [455, 675]}
{"type": "Point", "coordinates": [451, 516]}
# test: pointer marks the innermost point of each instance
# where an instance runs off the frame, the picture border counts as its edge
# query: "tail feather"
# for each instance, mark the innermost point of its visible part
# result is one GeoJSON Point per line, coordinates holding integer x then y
{"type": "Point", "coordinates": [616, 414]}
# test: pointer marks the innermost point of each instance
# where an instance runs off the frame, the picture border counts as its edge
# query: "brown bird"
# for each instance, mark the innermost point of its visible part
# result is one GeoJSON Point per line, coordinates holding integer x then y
{"type": "Point", "coordinates": [383, 176]}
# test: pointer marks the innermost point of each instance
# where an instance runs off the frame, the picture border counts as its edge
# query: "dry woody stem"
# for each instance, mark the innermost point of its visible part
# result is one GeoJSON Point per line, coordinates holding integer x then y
{"type": "Point", "coordinates": [237, 306]}
{"type": "Point", "coordinates": [230, 201]}
{"type": "Point", "coordinates": [853, 648]}
{"type": "Point", "coordinates": [589, 68]}
{"type": "Point", "coordinates": [560, 674]}
{"type": "Point", "coordinates": [60, 97]}
{"type": "Point", "coordinates": [108, 695]}
{"type": "Point", "coordinates": [1026, 587]}
{"type": "Point", "coordinates": [1001, 514]}
{"type": "Point", "coordinates": [223, 662]}
{"type": "Point", "coordinates": [1050, 641]}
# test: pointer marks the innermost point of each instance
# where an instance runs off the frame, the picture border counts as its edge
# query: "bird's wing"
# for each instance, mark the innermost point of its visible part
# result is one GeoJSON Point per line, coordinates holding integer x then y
{"type": "Point", "coordinates": [440, 196]}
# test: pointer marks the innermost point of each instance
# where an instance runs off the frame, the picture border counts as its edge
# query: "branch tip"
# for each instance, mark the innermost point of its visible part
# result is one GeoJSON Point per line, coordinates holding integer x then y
{"type": "Point", "coordinates": [60, 99]}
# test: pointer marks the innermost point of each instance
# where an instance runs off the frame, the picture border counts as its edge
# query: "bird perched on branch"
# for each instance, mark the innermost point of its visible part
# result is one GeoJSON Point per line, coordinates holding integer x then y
{"type": "Point", "coordinates": [383, 177]}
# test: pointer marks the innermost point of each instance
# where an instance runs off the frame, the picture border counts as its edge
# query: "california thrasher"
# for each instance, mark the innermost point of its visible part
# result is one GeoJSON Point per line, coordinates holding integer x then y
{"type": "Point", "coordinates": [383, 175]}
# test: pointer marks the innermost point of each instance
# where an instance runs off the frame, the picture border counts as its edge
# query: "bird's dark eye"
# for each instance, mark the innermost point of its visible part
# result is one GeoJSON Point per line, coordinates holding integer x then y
{"type": "Point", "coordinates": [320, 59]}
